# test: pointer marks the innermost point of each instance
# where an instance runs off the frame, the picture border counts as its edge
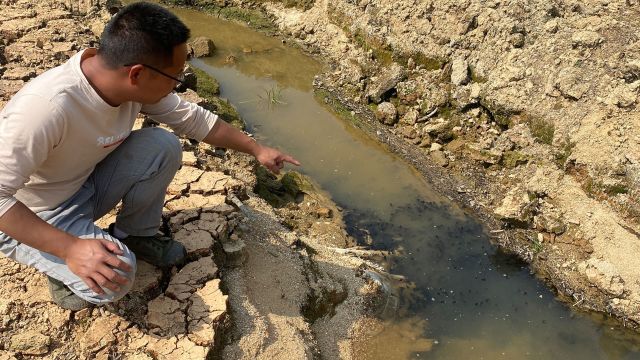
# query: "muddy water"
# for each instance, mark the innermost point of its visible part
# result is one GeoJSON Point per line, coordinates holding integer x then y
{"type": "Point", "coordinates": [472, 301]}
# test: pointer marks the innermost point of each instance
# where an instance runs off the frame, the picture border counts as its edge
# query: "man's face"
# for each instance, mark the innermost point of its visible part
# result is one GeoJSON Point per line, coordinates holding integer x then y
{"type": "Point", "coordinates": [155, 85]}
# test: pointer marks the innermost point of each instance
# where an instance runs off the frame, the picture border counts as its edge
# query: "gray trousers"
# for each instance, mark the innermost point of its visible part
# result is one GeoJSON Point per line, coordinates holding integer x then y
{"type": "Point", "coordinates": [138, 172]}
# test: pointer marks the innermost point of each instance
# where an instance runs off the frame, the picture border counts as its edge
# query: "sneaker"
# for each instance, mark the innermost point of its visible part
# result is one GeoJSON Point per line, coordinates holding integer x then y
{"type": "Point", "coordinates": [159, 250]}
{"type": "Point", "coordinates": [64, 297]}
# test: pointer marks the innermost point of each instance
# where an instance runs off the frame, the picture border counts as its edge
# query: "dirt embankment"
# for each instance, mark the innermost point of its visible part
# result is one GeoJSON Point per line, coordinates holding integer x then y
{"type": "Point", "coordinates": [526, 112]}
{"type": "Point", "coordinates": [252, 288]}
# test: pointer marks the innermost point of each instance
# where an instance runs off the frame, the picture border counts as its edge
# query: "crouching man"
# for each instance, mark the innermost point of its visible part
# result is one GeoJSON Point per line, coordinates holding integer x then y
{"type": "Point", "coordinates": [68, 155]}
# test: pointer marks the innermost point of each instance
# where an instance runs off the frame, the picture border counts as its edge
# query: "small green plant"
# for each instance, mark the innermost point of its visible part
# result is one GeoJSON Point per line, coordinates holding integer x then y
{"type": "Point", "coordinates": [300, 4]}
{"type": "Point", "coordinates": [207, 86]}
{"type": "Point", "coordinates": [542, 130]}
{"type": "Point", "coordinates": [536, 246]}
{"type": "Point", "coordinates": [272, 96]}
{"type": "Point", "coordinates": [616, 189]}
{"type": "Point", "coordinates": [597, 189]}
{"type": "Point", "coordinates": [561, 156]}
{"type": "Point", "coordinates": [512, 159]}
{"type": "Point", "coordinates": [336, 107]}
{"type": "Point", "coordinates": [429, 63]}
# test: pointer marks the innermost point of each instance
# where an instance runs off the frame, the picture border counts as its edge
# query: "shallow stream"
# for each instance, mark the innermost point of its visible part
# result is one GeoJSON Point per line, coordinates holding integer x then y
{"type": "Point", "coordinates": [470, 299]}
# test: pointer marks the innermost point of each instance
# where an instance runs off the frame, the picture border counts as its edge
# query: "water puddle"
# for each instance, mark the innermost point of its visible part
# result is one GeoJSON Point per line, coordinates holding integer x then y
{"type": "Point", "coordinates": [470, 299]}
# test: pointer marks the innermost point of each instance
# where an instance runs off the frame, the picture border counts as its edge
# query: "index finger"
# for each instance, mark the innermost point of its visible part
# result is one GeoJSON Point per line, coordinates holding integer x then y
{"type": "Point", "coordinates": [290, 159]}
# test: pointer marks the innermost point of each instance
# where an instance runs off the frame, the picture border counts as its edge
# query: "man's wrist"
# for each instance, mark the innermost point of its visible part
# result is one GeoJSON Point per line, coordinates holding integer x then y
{"type": "Point", "coordinates": [66, 241]}
{"type": "Point", "coordinates": [255, 148]}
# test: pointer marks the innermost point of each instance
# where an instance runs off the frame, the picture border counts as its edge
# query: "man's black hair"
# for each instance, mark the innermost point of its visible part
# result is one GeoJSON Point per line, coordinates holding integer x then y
{"type": "Point", "coordinates": [142, 33]}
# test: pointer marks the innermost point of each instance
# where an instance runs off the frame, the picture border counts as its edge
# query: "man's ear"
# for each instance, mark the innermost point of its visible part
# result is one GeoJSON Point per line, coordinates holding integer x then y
{"type": "Point", "coordinates": [135, 72]}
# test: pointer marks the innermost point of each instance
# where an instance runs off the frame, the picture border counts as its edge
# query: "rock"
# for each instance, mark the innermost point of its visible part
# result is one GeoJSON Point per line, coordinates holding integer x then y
{"type": "Point", "coordinates": [190, 277]}
{"type": "Point", "coordinates": [139, 356]}
{"type": "Point", "coordinates": [503, 143]}
{"type": "Point", "coordinates": [410, 117]}
{"type": "Point", "coordinates": [385, 82]}
{"type": "Point", "coordinates": [436, 127]}
{"type": "Point", "coordinates": [426, 141]}
{"type": "Point", "coordinates": [519, 136]}
{"type": "Point", "coordinates": [434, 98]}
{"type": "Point", "coordinates": [193, 97]}
{"type": "Point", "coordinates": [202, 47]}
{"type": "Point", "coordinates": [411, 64]}
{"type": "Point", "coordinates": [82, 314]}
{"type": "Point", "coordinates": [3, 58]}
{"type": "Point", "coordinates": [463, 97]}
{"type": "Point", "coordinates": [7, 355]}
{"type": "Point", "coordinates": [551, 26]}
{"type": "Point", "coordinates": [408, 132]}
{"type": "Point", "coordinates": [30, 343]}
{"type": "Point", "coordinates": [511, 159]}
{"type": "Point", "coordinates": [167, 315]}
{"type": "Point", "coordinates": [435, 147]}
{"type": "Point", "coordinates": [459, 72]}
{"type": "Point", "coordinates": [324, 213]}
{"type": "Point", "coordinates": [439, 158]}
{"type": "Point", "coordinates": [6, 306]}
{"type": "Point", "coordinates": [15, 28]}
{"type": "Point", "coordinates": [386, 113]}
{"type": "Point", "coordinates": [215, 218]}
{"type": "Point", "coordinates": [190, 80]}
{"type": "Point", "coordinates": [19, 73]}
{"type": "Point", "coordinates": [604, 275]}
{"type": "Point", "coordinates": [58, 317]}
{"type": "Point", "coordinates": [10, 87]}
{"type": "Point", "coordinates": [207, 310]}
{"type": "Point", "coordinates": [100, 334]}
{"type": "Point", "coordinates": [623, 96]}
{"type": "Point", "coordinates": [550, 222]}
{"type": "Point", "coordinates": [517, 208]}
{"type": "Point", "coordinates": [586, 39]}
{"type": "Point", "coordinates": [571, 83]}
{"type": "Point", "coordinates": [189, 159]}
{"type": "Point", "coordinates": [517, 40]}
{"type": "Point", "coordinates": [630, 71]}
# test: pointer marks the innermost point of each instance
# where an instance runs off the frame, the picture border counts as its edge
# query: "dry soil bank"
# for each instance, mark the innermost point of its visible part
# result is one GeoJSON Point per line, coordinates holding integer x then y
{"type": "Point", "coordinates": [252, 288]}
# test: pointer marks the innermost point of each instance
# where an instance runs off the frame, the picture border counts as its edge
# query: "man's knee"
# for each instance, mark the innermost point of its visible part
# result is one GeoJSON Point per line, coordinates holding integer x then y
{"type": "Point", "coordinates": [109, 295]}
{"type": "Point", "coordinates": [130, 259]}
{"type": "Point", "coordinates": [166, 145]}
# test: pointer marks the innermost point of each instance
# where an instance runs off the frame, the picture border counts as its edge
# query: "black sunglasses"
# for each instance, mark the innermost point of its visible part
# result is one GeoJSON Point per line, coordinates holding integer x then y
{"type": "Point", "coordinates": [179, 79]}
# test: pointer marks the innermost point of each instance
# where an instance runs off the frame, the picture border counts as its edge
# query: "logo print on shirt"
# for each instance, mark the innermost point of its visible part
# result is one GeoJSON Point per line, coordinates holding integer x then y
{"type": "Point", "coordinates": [109, 141]}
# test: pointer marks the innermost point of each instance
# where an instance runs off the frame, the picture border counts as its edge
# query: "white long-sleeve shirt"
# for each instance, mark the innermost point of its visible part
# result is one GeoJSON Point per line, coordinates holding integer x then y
{"type": "Point", "coordinates": [56, 129]}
